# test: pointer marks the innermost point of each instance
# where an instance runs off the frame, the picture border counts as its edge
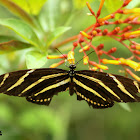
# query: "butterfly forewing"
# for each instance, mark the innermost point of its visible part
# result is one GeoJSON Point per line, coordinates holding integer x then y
{"type": "Point", "coordinates": [37, 85]}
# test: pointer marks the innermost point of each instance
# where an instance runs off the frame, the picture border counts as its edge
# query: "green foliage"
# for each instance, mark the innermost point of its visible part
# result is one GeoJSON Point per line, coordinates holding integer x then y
{"type": "Point", "coordinates": [55, 34]}
{"type": "Point", "coordinates": [26, 37]}
{"type": "Point", "coordinates": [31, 6]}
{"type": "Point", "coordinates": [80, 3]}
{"type": "Point", "coordinates": [22, 29]}
{"type": "Point", "coordinates": [34, 59]}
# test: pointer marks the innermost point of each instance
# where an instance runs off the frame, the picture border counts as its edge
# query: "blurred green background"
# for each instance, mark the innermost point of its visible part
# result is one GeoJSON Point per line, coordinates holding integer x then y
{"type": "Point", "coordinates": [65, 118]}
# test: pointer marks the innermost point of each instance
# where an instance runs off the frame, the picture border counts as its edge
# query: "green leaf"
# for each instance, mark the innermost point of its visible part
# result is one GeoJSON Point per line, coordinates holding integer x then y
{"type": "Point", "coordinates": [17, 11]}
{"type": "Point", "coordinates": [35, 59]}
{"type": "Point", "coordinates": [133, 4]}
{"type": "Point", "coordinates": [12, 45]}
{"type": "Point", "coordinates": [22, 29]}
{"type": "Point", "coordinates": [112, 5]}
{"type": "Point", "coordinates": [30, 6]}
{"type": "Point", "coordinates": [48, 14]}
{"type": "Point", "coordinates": [4, 38]}
{"type": "Point", "coordinates": [80, 3]}
{"type": "Point", "coordinates": [55, 34]}
{"type": "Point", "coordinates": [125, 106]}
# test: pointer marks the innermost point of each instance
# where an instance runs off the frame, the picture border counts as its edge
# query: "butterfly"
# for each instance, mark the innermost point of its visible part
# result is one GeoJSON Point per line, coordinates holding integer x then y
{"type": "Point", "coordinates": [98, 89]}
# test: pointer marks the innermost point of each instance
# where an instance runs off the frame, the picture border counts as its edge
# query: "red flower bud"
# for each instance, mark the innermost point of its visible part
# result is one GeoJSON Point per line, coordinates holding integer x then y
{"type": "Point", "coordinates": [75, 44]}
{"type": "Point", "coordinates": [126, 2]}
{"type": "Point", "coordinates": [116, 30]}
{"type": "Point", "coordinates": [105, 31]}
{"type": "Point", "coordinates": [100, 47]}
{"type": "Point", "coordinates": [136, 52]}
{"type": "Point", "coordinates": [100, 52]}
{"type": "Point", "coordinates": [98, 30]}
{"type": "Point", "coordinates": [112, 50]}
{"type": "Point", "coordinates": [127, 29]}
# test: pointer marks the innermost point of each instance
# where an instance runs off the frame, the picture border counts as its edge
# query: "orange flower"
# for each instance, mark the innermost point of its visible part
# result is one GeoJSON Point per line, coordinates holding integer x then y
{"type": "Point", "coordinates": [85, 60]}
{"type": "Point", "coordinates": [127, 35]}
{"type": "Point", "coordinates": [102, 67]}
{"type": "Point", "coordinates": [57, 64]}
{"type": "Point", "coordinates": [84, 48]}
{"type": "Point", "coordinates": [133, 75]}
{"type": "Point", "coordinates": [89, 7]}
{"type": "Point", "coordinates": [130, 63]}
{"type": "Point", "coordinates": [85, 34]}
{"type": "Point", "coordinates": [56, 56]}
{"type": "Point", "coordinates": [94, 68]}
{"type": "Point", "coordinates": [122, 60]}
{"type": "Point", "coordinates": [106, 18]}
{"type": "Point", "coordinates": [136, 52]}
{"type": "Point", "coordinates": [134, 10]}
{"type": "Point", "coordinates": [98, 65]}
{"type": "Point", "coordinates": [133, 64]}
{"type": "Point", "coordinates": [119, 21]}
{"type": "Point", "coordinates": [100, 7]}
{"type": "Point", "coordinates": [70, 57]}
{"type": "Point", "coordinates": [137, 46]}
{"type": "Point", "coordinates": [132, 17]}
{"type": "Point", "coordinates": [106, 61]}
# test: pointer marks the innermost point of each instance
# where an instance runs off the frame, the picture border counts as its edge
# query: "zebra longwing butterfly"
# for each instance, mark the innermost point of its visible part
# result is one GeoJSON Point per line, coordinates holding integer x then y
{"type": "Point", "coordinates": [98, 89]}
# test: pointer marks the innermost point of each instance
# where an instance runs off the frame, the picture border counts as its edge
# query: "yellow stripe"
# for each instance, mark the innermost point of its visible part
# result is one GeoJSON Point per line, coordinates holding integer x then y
{"type": "Point", "coordinates": [88, 88]}
{"type": "Point", "coordinates": [53, 86]}
{"type": "Point", "coordinates": [40, 80]}
{"type": "Point", "coordinates": [4, 78]}
{"type": "Point", "coordinates": [82, 96]}
{"type": "Point", "coordinates": [21, 80]}
{"type": "Point", "coordinates": [120, 86]}
{"type": "Point", "coordinates": [137, 86]}
{"type": "Point", "coordinates": [100, 83]}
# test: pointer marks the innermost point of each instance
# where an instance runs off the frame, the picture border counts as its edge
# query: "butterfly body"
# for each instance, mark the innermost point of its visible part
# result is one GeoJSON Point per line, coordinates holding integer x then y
{"type": "Point", "coordinates": [98, 89]}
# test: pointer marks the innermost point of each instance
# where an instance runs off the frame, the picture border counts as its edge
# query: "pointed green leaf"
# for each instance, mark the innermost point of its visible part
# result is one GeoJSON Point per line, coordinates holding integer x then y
{"type": "Point", "coordinates": [30, 6]}
{"type": "Point", "coordinates": [22, 29]}
{"type": "Point", "coordinates": [55, 34]}
{"type": "Point", "coordinates": [125, 106]}
{"type": "Point", "coordinates": [6, 38]}
{"type": "Point", "coordinates": [80, 3]}
{"type": "Point", "coordinates": [35, 59]}
{"type": "Point", "coordinates": [17, 11]}
{"type": "Point", "coordinates": [133, 4]}
{"type": "Point", "coordinates": [46, 16]}
{"type": "Point", "coordinates": [12, 46]}
{"type": "Point", "coordinates": [112, 6]}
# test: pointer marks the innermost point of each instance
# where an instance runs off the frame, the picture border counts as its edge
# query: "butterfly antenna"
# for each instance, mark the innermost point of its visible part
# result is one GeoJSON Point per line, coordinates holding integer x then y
{"type": "Point", "coordinates": [84, 57]}
{"type": "Point", "coordinates": [61, 53]}
{"type": "Point", "coordinates": [64, 57]}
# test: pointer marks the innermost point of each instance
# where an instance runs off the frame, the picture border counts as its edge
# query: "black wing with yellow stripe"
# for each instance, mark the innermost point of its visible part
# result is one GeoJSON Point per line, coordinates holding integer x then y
{"type": "Point", "coordinates": [37, 85]}
{"type": "Point", "coordinates": [100, 90]}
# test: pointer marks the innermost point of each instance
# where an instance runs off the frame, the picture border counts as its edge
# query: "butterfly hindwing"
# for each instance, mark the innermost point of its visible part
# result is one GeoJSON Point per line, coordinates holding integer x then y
{"type": "Point", "coordinates": [105, 88]}
{"type": "Point", "coordinates": [91, 99]}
